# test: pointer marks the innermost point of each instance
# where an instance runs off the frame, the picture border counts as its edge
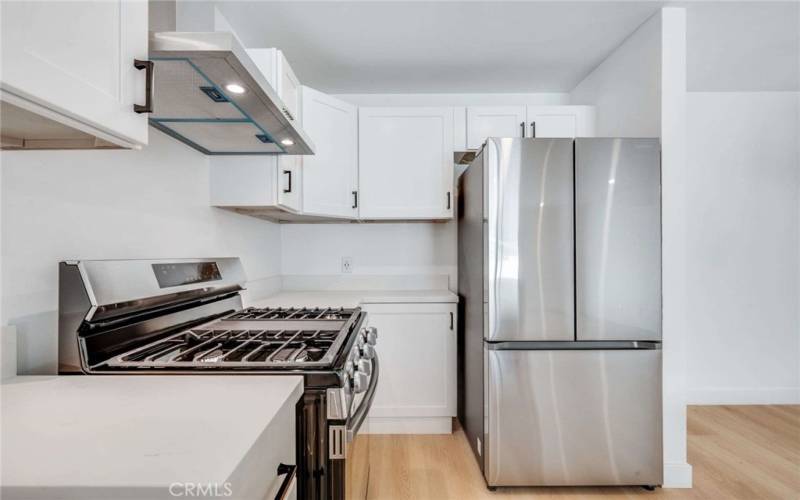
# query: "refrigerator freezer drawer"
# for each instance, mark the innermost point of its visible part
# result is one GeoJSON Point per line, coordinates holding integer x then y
{"type": "Point", "coordinates": [573, 417]}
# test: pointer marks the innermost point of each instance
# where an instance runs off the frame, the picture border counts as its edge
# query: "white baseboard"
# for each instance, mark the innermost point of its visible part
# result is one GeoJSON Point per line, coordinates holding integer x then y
{"type": "Point", "coordinates": [677, 475]}
{"type": "Point", "coordinates": [410, 425]}
{"type": "Point", "coordinates": [743, 396]}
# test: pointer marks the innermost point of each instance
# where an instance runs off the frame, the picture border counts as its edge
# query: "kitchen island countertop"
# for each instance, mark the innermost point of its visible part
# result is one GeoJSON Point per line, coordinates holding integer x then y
{"type": "Point", "coordinates": [135, 436]}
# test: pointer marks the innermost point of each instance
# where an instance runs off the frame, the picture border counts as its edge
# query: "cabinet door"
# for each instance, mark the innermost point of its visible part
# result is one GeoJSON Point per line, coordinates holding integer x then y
{"type": "Point", "coordinates": [406, 163]}
{"type": "Point", "coordinates": [417, 351]}
{"type": "Point", "coordinates": [76, 59]}
{"type": "Point", "coordinates": [330, 177]}
{"type": "Point", "coordinates": [243, 181]}
{"type": "Point", "coordinates": [493, 121]}
{"type": "Point", "coordinates": [288, 87]}
{"type": "Point", "coordinates": [290, 183]}
{"type": "Point", "coordinates": [560, 121]}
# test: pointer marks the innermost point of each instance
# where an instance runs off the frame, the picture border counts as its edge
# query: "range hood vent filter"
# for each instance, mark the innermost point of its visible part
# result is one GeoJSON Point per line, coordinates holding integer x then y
{"type": "Point", "coordinates": [191, 105]}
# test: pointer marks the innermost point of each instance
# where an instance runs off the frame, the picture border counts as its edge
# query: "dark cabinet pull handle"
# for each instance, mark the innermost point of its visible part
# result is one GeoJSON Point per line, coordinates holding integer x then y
{"type": "Point", "coordinates": [288, 189]}
{"type": "Point", "coordinates": [452, 320]}
{"type": "Point", "coordinates": [290, 471]}
{"type": "Point", "coordinates": [522, 126]}
{"type": "Point", "coordinates": [355, 199]}
{"type": "Point", "coordinates": [448, 200]}
{"type": "Point", "coordinates": [149, 74]}
{"type": "Point", "coordinates": [533, 129]}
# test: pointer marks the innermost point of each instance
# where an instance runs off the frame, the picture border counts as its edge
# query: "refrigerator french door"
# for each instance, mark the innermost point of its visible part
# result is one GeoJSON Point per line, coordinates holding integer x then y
{"type": "Point", "coordinates": [561, 344]}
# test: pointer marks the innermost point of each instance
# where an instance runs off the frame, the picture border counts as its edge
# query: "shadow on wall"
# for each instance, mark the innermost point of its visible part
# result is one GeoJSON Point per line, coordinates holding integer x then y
{"type": "Point", "coordinates": [37, 343]}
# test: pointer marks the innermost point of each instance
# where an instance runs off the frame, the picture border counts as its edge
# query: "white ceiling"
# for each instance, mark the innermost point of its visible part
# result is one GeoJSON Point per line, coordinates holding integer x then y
{"type": "Point", "coordinates": [439, 47]}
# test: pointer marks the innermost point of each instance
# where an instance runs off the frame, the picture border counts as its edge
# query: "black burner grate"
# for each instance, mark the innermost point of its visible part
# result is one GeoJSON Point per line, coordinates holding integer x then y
{"type": "Point", "coordinates": [292, 313]}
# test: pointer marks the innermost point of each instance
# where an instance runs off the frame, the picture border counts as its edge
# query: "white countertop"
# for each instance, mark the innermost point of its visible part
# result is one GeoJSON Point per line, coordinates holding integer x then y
{"type": "Point", "coordinates": [354, 298]}
{"type": "Point", "coordinates": [131, 436]}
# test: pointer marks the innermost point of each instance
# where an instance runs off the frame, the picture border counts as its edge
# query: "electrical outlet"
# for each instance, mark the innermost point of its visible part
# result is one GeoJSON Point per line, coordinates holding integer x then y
{"type": "Point", "coordinates": [347, 264]}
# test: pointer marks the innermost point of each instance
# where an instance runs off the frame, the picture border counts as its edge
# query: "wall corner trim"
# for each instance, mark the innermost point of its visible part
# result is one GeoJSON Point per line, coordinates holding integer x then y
{"type": "Point", "coordinates": [677, 475]}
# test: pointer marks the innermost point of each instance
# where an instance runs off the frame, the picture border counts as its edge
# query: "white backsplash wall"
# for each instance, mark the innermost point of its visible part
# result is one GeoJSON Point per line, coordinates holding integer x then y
{"type": "Point", "coordinates": [413, 249]}
{"type": "Point", "coordinates": [152, 203]}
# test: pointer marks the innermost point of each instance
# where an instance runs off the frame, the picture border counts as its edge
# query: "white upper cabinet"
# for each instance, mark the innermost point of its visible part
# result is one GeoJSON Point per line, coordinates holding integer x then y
{"type": "Point", "coordinates": [253, 183]}
{"type": "Point", "coordinates": [73, 62]}
{"type": "Point", "coordinates": [493, 121]}
{"type": "Point", "coordinates": [243, 181]}
{"type": "Point", "coordinates": [290, 183]}
{"type": "Point", "coordinates": [406, 163]}
{"type": "Point", "coordinates": [560, 121]}
{"type": "Point", "coordinates": [528, 121]}
{"type": "Point", "coordinates": [274, 66]}
{"type": "Point", "coordinates": [330, 176]}
{"type": "Point", "coordinates": [288, 87]}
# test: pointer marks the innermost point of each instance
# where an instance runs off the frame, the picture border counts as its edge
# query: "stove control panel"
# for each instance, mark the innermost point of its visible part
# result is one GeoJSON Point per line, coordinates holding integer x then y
{"type": "Point", "coordinates": [358, 367]}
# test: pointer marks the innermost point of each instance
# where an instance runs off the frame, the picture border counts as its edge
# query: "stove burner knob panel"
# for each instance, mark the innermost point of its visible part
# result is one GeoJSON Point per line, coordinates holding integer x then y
{"type": "Point", "coordinates": [365, 367]}
{"type": "Point", "coordinates": [359, 382]}
{"type": "Point", "coordinates": [368, 352]}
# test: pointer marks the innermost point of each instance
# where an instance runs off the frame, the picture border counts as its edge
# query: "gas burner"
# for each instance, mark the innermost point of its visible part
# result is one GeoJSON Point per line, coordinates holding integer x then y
{"type": "Point", "coordinates": [294, 338]}
{"type": "Point", "coordinates": [291, 313]}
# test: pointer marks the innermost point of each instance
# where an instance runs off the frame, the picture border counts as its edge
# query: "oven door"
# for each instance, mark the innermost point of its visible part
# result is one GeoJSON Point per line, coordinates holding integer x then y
{"type": "Point", "coordinates": [357, 437]}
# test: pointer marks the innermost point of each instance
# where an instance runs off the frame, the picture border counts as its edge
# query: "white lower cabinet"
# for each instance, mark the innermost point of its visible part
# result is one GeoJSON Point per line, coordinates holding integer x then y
{"type": "Point", "coordinates": [280, 448]}
{"type": "Point", "coordinates": [417, 383]}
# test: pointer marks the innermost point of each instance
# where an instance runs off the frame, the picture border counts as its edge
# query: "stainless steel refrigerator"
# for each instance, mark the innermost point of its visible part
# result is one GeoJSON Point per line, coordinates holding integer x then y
{"type": "Point", "coordinates": [560, 281]}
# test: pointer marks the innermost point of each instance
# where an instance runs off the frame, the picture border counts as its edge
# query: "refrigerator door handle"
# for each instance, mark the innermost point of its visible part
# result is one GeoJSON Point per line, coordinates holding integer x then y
{"type": "Point", "coordinates": [604, 345]}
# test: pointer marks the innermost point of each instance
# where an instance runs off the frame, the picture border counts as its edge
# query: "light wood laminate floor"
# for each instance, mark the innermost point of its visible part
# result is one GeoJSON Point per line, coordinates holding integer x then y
{"type": "Point", "coordinates": [738, 452]}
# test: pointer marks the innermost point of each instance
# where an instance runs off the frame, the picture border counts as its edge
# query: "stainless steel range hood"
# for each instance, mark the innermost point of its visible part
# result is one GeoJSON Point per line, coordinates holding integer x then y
{"type": "Point", "coordinates": [193, 101]}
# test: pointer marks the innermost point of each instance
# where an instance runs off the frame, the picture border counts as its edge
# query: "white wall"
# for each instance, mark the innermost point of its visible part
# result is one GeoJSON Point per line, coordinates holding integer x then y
{"type": "Point", "coordinates": [626, 87]}
{"type": "Point", "coordinates": [742, 242]}
{"type": "Point", "coordinates": [152, 203]}
{"type": "Point", "coordinates": [380, 249]}
{"type": "Point", "coordinates": [743, 46]}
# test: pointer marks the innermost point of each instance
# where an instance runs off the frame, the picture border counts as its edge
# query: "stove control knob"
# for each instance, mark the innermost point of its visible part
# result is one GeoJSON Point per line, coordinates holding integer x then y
{"type": "Point", "coordinates": [359, 382]}
{"type": "Point", "coordinates": [368, 352]}
{"type": "Point", "coordinates": [348, 385]}
{"type": "Point", "coordinates": [372, 335]}
{"type": "Point", "coordinates": [365, 367]}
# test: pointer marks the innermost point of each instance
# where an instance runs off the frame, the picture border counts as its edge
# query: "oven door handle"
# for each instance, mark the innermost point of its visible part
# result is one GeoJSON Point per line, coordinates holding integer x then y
{"type": "Point", "coordinates": [361, 413]}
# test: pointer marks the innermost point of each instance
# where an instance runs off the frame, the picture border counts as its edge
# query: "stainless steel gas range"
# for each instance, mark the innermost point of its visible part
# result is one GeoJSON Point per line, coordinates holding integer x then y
{"type": "Point", "coordinates": [185, 316]}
